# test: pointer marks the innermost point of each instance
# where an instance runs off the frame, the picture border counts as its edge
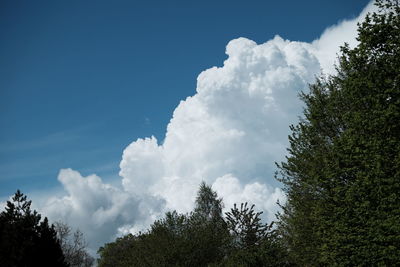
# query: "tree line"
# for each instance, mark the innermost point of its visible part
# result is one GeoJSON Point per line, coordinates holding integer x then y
{"type": "Point", "coordinates": [341, 177]}
{"type": "Point", "coordinates": [204, 237]}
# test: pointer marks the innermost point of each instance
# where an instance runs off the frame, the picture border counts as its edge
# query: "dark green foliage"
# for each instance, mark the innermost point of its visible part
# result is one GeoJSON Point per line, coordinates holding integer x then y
{"type": "Point", "coordinates": [25, 240]}
{"type": "Point", "coordinates": [253, 243]}
{"type": "Point", "coordinates": [208, 228]}
{"type": "Point", "coordinates": [125, 251]}
{"type": "Point", "coordinates": [165, 244]}
{"type": "Point", "coordinates": [342, 176]}
{"type": "Point", "coordinates": [118, 253]}
{"type": "Point", "coordinates": [245, 226]}
{"type": "Point", "coordinates": [270, 252]}
{"type": "Point", "coordinates": [196, 239]}
{"type": "Point", "coordinates": [201, 238]}
{"type": "Point", "coordinates": [208, 206]}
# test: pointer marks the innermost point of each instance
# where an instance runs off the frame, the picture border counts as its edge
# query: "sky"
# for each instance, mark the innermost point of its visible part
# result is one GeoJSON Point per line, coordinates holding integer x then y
{"type": "Point", "coordinates": [113, 112]}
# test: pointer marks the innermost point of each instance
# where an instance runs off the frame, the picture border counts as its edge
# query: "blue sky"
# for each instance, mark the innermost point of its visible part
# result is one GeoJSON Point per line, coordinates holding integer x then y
{"type": "Point", "coordinates": [86, 84]}
{"type": "Point", "coordinates": [80, 80]}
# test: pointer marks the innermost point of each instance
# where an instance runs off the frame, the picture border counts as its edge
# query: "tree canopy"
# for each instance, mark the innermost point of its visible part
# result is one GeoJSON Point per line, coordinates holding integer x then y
{"type": "Point", "coordinates": [201, 238]}
{"type": "Point", "coordinates": [342, 175]}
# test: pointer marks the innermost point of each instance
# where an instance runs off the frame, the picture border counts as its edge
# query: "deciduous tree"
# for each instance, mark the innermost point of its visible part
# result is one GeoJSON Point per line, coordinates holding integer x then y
{"type": "Point", "coordinates": [73, 246]}
{"type": "Point", "coordinates": [342, 175]}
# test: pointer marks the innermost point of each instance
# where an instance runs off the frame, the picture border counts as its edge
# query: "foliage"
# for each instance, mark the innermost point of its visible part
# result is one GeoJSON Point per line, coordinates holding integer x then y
{"type": "Point", "coordinates": [195, 239]}
{"type": "Point", "coordinates": [207, 227]}
{"type": "Point", "coordinates": [73, 247]}
{"type": "Point", "coordinates": [201, 238]}
{"type": "Point", "coordinates": [245, 226]}
{"type": "Point", "coordinates": [253, 243]}
{"type": "Point", "coordinates": [25, 240]}
{"type": "Point", "coordinates": [342, 175]}
{"type": "Point", "coordinates": [208, 205]}
{"type": "Point", "coordinates": [122, 252]}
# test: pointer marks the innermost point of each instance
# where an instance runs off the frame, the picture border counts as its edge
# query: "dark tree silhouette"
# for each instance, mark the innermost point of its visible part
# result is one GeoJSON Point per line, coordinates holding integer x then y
{"type": "Point", "coordinates": [25, 240]}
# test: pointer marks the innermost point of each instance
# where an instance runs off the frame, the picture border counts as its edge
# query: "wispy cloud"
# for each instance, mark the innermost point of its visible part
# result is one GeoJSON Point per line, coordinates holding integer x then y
{"type": "Point", "coordinates": [37, 161]}
{"type": "Point", "coordinates": [59, 138]}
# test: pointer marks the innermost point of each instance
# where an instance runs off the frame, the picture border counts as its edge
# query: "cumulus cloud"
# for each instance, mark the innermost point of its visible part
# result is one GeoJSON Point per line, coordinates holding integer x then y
{"type": "Point", "coordinates": [263, 196]}
{"type": "Point", "coordinates": [237, 123]}
{"type": "Point", "coordinates": [96, 208]}
{"type": "Point", "coordinates": [3, 205]}
{"type": "Point", "coordinates": [327, 46]}
{"type": "Point", "coordinates": [229, 134]}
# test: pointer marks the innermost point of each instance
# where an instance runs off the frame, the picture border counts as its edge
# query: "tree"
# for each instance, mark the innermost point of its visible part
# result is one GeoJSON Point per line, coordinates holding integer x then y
{"type": "Point", "coordinates": [25, 240]}
{"type": "Point", "coordinates": [196, 239]}
{"type": "Point", "coordinates": [207, 228]}
{"type": "Point", "coordinates": [342, 175]}
{"type": "Point", "coordinates": [73, 247]}
{"type": "Point", "coordinates": [253, 242]}
{"type": "Point", "coordinates": [200, 238]}
{"type": "Point", "coordinates": [124, 251]}
{"type": "Point", "coordinates": [208, 206]}
{"type": "Point", "coordinates": [245, 226]}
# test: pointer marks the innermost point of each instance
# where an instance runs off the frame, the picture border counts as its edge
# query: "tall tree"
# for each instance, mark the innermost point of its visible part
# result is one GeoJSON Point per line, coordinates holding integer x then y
{"type": "Point", "coordinates": [208, 228]}
{"type": "Point", "coordinates": [208, 206]}
{"type": "Point", "coordinates": [25, 240]}
{"type": "Point", "coordinates": [342, 175]}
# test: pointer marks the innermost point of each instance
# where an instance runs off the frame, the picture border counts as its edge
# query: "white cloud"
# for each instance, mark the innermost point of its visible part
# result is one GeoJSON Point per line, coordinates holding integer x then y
{"type": "Point", "coordinates": [263, 196]}
{"type": "Point", "coordinates": [327, 46]}
{"type": "Point", "coordinates": [96, 208]}
{"type": "Point", "coordinates": [228, 134]}
{"type": "Point", "coordinates": [3, 205]}
{"type": "Point", "coordinates": [236, 123]}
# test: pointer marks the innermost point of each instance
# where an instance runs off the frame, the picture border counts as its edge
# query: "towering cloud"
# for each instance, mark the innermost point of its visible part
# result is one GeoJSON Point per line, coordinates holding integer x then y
{"type": "Point", "coordinates": [236, 125]}
{"type": "Point", "coordinates": [228, 134]}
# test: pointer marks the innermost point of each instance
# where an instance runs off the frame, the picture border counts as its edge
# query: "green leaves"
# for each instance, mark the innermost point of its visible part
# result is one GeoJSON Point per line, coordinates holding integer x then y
{"type": "Point", "coordinates": [196, 239]}
{"type": "Point", "coordinates": [200, 238]}
{"type": "Point", "coordinates": [342, 174]}
{"type": "Point", "coordinates": [245, 226]}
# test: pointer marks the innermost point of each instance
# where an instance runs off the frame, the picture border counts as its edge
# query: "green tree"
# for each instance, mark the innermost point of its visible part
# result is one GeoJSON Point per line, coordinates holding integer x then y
{"type": "Point", "coordinates": [253, 242]}
{"type": "Point", "coordinates": [120, 253]}
{"type": "Point", "coordinates": [208, 228]}
{"type": "Point", "coordinates": [245, 226]}
{"type": "Point", "coordinates": [201, 238]}
{"type": "Point", "coordinates": [208, 206]}
{"type": "Point", "coordinates": [25, 240]}
{"type": "Point", "coordinates": [342, 175]}
{"type": "Point", "coordinates": [196, 239]}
